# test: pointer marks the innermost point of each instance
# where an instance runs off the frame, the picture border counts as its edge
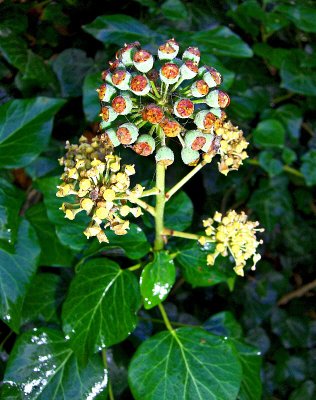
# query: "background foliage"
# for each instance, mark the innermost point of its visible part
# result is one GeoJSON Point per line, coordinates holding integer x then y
{"type": "Point", "coordinates": [52, 54]}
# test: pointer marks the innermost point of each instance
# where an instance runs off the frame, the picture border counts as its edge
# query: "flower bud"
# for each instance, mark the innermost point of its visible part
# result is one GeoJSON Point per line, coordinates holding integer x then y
{"type": "Point", "coordinates": [218, 113]}
{"type": "Point", "coordinates": [121, 78]}
{"type": "Point", "coordinates": [189, 69]}
{"type": "Point", "coordinates": [189, 156]}
{"type": "Point", "coordinates": [139, 85]}
{"type": "Point", "coordinates": [101, 212]}
{"type": "Point", "coordinates": [152, 113]}
{"type": "Point", "coordinates": [199, 88]}
{"type": "Point", "coordinates": [108, 114]}
{"type": "Point", "coordinates": [208, 143]}
{"type": "Point", "coordinates": [212, 77]}
{"type": "Point", "coordinates": [127, 133]}
{"type": "Point", "coordinates": [106, 76]}
{"type": "Point", "coordinates": [195, 140]}
{"type": "Point", "coordinates": [145, 145]}
{"type": "Point", "coordinates": [143, 61]}
{"type": "Point", "coordinates": [165, 156]}
{"type": "Point", "coordinates": [112, 136]}
{"type": "Point", "coordinates": [125, 55]}
{"type": "Point", "coordinates": [217, 98]}
{"type": "Point", "coordinates": [85, 184]}
{"type": "Point", "coordinates": [122, 104]}
{"type": "Point", "coordinates": [183, 108]}
{"type": "Point", "coordinates": [87, 204]}
{"type": "Point", "coordinates": [171, 128]}
{"type": "Point", "coordinates": [169, 73]}
{"type": "Point", "coordinates": [204, 119]}
{"type": "Point", "coordinates": [105, 92]}
{"type": "Point", "coordinates": [192, 54]}
{"type": "Point", "coordinates": [109, 195]}
{"type": "Point", "coordinates": [168, 50]}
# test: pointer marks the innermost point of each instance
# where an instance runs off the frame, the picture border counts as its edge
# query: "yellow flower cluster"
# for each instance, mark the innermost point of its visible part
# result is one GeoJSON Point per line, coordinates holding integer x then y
{"type": "Point", "coordinates": [235, 234]}
{"type": "Point", "coordinates": [232, 147]}
{"type": "Point", "coordinates": [101, 186]}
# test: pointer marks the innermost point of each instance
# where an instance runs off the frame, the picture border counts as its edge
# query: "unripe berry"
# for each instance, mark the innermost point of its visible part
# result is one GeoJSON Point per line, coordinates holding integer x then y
{"type": "Point", "coordinates": [189, 70]}
{"type": "Point", "coordinates": [108, 114]}
{"type": "Point", "coordinates": [152, 113]}
{"type": "Point", "coordinates": [170, 128]}
{"type": "Point", "coordinates": [189, 156]}
{"type": "Point", "coordinates": [165, 156]}
{"type": "Point", "coordinates": [205, 119]}
{"type": "Point", "coordinates": [121, 79]}
{"type": "Point", "coordinates": [106, 76]}
{"type": "Point", "coordinates": [125, 55]}
{"type": "Point", "coordinates": [212, 77]}
{"type": "Point", "coordinates": [127, 133]}
{"type": "Point", "coordinates": [193, 54]}
{"type": "Point", "coordinates": [145, 145]}
{"type": "Point", "coordinates": [105, 92]}
{"type": "Point", "coordinates": [143, 61]}
{"type": "Point", "coordinates": [199, 88]}
{"type": "Point", "coordinates": [195, 140]}
{"type": "Point", "coordinates": [169, 73]}
{"type": "Point", "coordinates": [113, 138]}
{"type": "Point", "coordinates": [217, 98]}
{"type": "Point", "coordinates": [168, 50]}
{"type": "Point", "coordinates": [139, 85]}
{"type": "Point", "coordinates": [122, 104]}
{"type": "Point", "coordinates": [183, 108]}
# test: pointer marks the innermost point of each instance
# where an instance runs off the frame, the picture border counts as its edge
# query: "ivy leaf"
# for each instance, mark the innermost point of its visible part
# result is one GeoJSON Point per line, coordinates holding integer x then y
{"type": "Point", "coordinates": [308, 167]}
{"type": "Point", "coordinates": [13, 49]}
{"type": "Point", "coordinates": [42, 367]}
{"type": "Point", "coordinates": [119, 29]}
{"type": "Point", "coordinates": [193, 265]}
{"type": "Point", "coordinates": [91, 106]}
{"type": "Point", "coordinates": [269, 133]}
{"type": "Point", "coordinates": [43, 298]}
{"type": "Point", "coordinates": [157, 279]}
{"type": "Point", "coordinates": [179, 212]}
{"type": "Point", "coordinates": [300, 14]}
{"type": "Point", "coordinates": [223, 324]}
{"type": "Point", "coordinates": [269, 163]}
{"type": "Point", "coordinates": [221, 41]}
{"type": "Point", "coordinates": [185, 364]}
{"type": "Point", "coordinates": [11, 199]}
{"type": "Point", "coordinates": [305, 391]}
{"type": "Point", "coordinates": [174, 10]}
{"type": "Point", "coordinates": [100, 309]}
{"type": "Point", "coordinates": [71, 66]}
{"type": "Point", "coordinates": [25, 129]}
{"type": "Point", "coordinates": [16, 272]}
{"type": "Point", "coordinates": [53, 253]}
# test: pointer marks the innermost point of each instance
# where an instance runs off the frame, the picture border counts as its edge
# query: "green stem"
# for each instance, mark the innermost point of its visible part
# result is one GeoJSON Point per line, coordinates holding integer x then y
{"type": "Point", "coordinates": [177, 84]}
{"type": "Point", "coordinates": [144, 205]}
{"type": "Point", "coordinates": [135, 267]}
{"type": "Point", "coordinates": [186, 235]}
{"type": "Point", "coordinates": [286, 168]}
{"type": "Point", "coordinates": [165, 317]}
{"type": "Point", "coordinates": [105, 363]}
{"type": "Point", "coordinates": [154, 88]}
{"type": "Point", "coordinates": [160, 205]}
{"type": "Point", "coordinates": [160, 321]}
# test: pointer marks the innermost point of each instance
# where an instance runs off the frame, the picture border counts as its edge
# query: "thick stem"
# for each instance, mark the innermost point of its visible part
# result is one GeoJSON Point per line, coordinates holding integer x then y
{"type": "Point", "coordinates": [160, 205]}
{"type": "Point", "coordinates": [144, 205]}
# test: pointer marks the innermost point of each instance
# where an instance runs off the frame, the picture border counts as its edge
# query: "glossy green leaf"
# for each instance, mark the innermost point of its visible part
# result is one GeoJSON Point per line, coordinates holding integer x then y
{"type": "Point", "coordinates": [71, 66]}
{"type": "Point", "coordinates": [157, 279]}
{"type": "Point", "coordinates": [273, 55]}
{"type": "Point", "coordinates": [91, 105]}
{"type": "Point", "coordinates": [221, 41]}
{"type": "Point", "coordinates": [223, 324]}
{"type": "Point", "coordinates": [247, 15]}
{"type": "Point", "coordinates": [101, 306]}
{"type": "Point", "coordinates": [269, 133]}
{"type": "Point", "coordinates": [25, 129]}
{"type": "Point", "coordinates": [174, 10]}
{"type": "Point", "coordinates": [227, 74]}
{"type": "Point", "coordinates": [308, 167]}
{"type": "Point", "coordinates": [119, 29]}
{"type": "Point", "coordinates": [302, 15]}
{"type": "Point", "coordinates": [43, 367]}
{"type": "Point", "coordinates": [296, 78]}
{"type": "Point", "coordinates": [134, 244]}
{"type": "Point", "coordinates": [185, 364]}
{"type": "Point", "coordinates": [288, 156]}
{"type": "Point", "coordinates": [43, 298]}
{"type": "Point", "coordinates": [16, 272]}
{"type": "Point", "coordinates": [53, 253]}
{"type": "Point", "coordinates": [179, 212]}
{"type": "Point", "coordinates": [11, 199]}
{"type": "Point", "coordinates": [13, 48]}
{"type": "Point", "coordinates": [194, 268]}
{"type": "Point", "coordinates": [269, 163]}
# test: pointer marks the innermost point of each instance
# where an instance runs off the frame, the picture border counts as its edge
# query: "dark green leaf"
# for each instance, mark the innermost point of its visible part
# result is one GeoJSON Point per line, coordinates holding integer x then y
{"type": "Point", "coordinates": [71, 66]}
{"type": "Point", "coordinates": [185, 364]}
{"type": "Point", "coordinates": [179, 212]}
{"type": "Point", "coordinates": [13, 48]}
{"type": "Point", "coordinates": [11, 199]}
{"type": "Point", "coordinates": [100, 309]}
{"type": "Point", "coordinates": [157, 279]}
{"type": "Point", "coordinates": [90, 99]}
{"type": "Point", "coordinates": [269, 133]}
{"type": "Point", "coordinates": [16, 272]}
{"type": "Point", "coordinates": [43, 298]}
{"type": "Point", "coordinates": [53, 253]}
{"type": "Point", "coordinates": [221, 41]}
{"type": "Point", "coordinates": [288, 156]}
{"type": "Point", "coordinates": [308, 167]}
{"type": "Point", "coordinates": [306, 391]}
{"type": "Point", "coordinates": [25, 129]}
{"type": "Point", "coordinates": [120, 29]}
{"type": "Point", "coordinates": [301, 15]}
{"type": "Point", "coordinates": [297, 78]}
{"type": "Point", "coordinates": [223, 324]}
{"type": "Point", "coordinates": [269, 163]}
{"type": "Point", "coordinates": [41, 166]}
{"type": "Point", "coordinates": [43, 367]}
{"type": "Point", "coordinates": [247, 15]}
{"type": "Point", "coordinates": [193, 264]}
{"type": "Point", "coordinates": [174, 10]}
{"type": "Point", "coordinates": [273, 55]}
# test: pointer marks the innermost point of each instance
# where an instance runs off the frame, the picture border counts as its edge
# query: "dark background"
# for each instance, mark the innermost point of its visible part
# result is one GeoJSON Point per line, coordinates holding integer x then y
{"type": "Point", "coordinates": [269, 72]}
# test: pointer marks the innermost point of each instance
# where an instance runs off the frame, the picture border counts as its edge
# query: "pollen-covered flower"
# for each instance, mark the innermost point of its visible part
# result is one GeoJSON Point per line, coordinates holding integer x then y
{"type": "Point", "coordinates": [233, 234]}
{"type": "Point", "coordinates": [167, 95]}
{"type": "Point", "coordinates": [99, 185]}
